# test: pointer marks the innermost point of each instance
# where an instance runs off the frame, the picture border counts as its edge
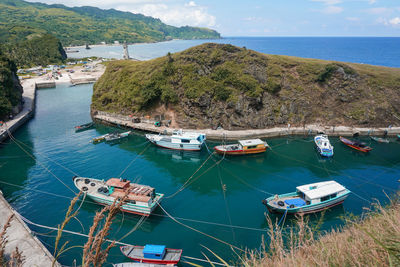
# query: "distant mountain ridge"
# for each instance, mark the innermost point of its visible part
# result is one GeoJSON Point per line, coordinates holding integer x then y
{"type": "Point", "coordinates": [80, 25]}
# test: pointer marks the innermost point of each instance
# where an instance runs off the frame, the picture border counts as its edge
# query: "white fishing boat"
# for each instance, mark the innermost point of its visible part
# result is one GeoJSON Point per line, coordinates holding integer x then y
{"type": "Point", "coordinates": [179, 140]}
{"type": "Point", "coordinates": [142, 199]}
{"type": "Point", "coordinates": [324, 147]}
{"type": "Point", "coordinates": [116, 136]}
{"type": "Point", "coordinates": [308, 198]}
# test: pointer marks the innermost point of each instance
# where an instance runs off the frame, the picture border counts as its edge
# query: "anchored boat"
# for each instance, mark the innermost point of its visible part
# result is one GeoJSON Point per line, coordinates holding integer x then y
{"type": "Point", "coordinates": [83, 127]}
{"type": "Point", "coordinates": [323, 145]}
{"type": "Point", "coordinates": [157, 254]}
{"type": "Point", "coordinates": [308, 198]}
{"type": "Point", "coordinates": [142, 199]}
{"type": "Point", "coordinates": [179, 140]}
{"type": "Point", "coordinates": [244, 147]}
{"type": "Point", "coordinates": [355, 144]}
{"type": "Point", "coordinates": [380, 139]}
{"type": "Point", "coordinates": [116, 136]}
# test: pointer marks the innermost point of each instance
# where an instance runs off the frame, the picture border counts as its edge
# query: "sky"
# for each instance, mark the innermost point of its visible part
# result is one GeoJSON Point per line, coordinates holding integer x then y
{"type": "Point", "coordinates": [267, 17]}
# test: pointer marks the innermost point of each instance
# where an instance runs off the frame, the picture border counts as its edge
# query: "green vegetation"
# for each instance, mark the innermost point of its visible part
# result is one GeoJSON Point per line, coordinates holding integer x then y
{"type": "Point", "coordinates": [10, 89]}
{"type": "Point", "coordinates": [237, 88]}
{"type": "Point", "coordinates": [39, 50]}
{"type": "Point", "coordinates": [20, 20]}
{"type": "Point", "coordinates": [373, 241]}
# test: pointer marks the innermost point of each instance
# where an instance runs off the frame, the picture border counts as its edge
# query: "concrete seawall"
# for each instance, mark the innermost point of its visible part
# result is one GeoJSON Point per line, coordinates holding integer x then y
{"type": "Point", "coordinates": [29, 97]}
{"type": "Point", "coordinates": [126, 121]}
{"type": "Point", "coordinates": [19, 235]}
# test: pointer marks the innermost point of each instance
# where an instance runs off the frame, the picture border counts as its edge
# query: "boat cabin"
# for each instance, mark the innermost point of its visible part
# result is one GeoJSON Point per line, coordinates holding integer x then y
{"type": "Point", "coordinates": [320, 192]}
{"type": "Point", "coordinates": [137, 193]}
{"type": "Point", "coordinates": [252, 144]}
{"type": "Point", "coordinates": [156, 252]}
{"type": "Point", "coordinates": [178, 136]}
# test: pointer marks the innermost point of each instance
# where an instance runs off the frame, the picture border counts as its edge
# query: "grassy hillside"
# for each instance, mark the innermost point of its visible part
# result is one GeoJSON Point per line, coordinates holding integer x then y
{"type": "Point", "coordinates": [43, 49]}
{"type": "Point", "coordinates": [373, 241]}
{"type": "Point", "coordinates": [10, 88]}
{"type": "Point", "coordinates": [80, 25]}
{"type": "Point", "coordinates": [215, 84]}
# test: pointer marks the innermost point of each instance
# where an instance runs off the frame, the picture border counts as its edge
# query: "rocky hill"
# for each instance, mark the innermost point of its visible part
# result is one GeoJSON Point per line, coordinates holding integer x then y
{"type": "Point", "coordinates": [10, 88]}
{"type": "Point", "coordinates": [80, 25]}
{"type": "Point", "coordinates": [222, 85]}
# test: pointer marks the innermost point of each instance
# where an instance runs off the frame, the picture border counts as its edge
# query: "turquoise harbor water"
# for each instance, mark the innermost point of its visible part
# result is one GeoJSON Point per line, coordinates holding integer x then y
{"type": "Point", "coordinates": [50, 139]}
{"type": "Point", "coordinates": [365, 50]}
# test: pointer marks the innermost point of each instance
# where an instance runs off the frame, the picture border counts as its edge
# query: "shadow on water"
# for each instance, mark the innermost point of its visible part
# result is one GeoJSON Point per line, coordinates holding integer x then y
{"type": "Point", "coordinates": [15, 163]}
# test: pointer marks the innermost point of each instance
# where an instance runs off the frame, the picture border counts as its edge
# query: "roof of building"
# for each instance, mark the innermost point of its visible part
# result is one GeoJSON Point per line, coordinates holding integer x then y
{"type": "Point", "coordinates": [251, 142]}
{"type": "Point", "coordinates": [318, 190]}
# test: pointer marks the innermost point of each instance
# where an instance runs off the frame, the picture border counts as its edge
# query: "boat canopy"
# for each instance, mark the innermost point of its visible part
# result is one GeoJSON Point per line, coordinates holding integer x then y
{"type": "Point", "coordinates": [322, 189]}
{"type": "Point", "coordinates": [154, 251]}
{"type": "Point", "coordinates": [251, 142]}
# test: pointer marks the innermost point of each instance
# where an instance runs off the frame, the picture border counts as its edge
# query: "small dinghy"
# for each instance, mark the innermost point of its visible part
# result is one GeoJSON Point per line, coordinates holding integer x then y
{"type": "Point", "coordinates": [142, 199]}
{"type": "Point", "coordinates": [355, 144]}
{"type": "Point", "coordinates": [116, 136]}
{"type": "Point", "coordinates": [138, 264]}
{"type": "Point", "coordinates": [157, 254]}
{"type": "Point", "coordinates": [380, 139]}
{"type": "Point", "coordinates": [308, 198]}
{"type": "Point", "coordinates": [324, 147]}
{"type": "Point", "coordinates": [244, 147]}
{"type": "Point", "coordinates": [84, 127]}
{"type": "Point", "coordinates": [179, 140]}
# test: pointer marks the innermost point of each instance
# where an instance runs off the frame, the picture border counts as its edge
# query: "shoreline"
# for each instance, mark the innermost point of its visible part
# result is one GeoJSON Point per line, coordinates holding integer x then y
{"type": "Point", "coordinates": [310, 129]}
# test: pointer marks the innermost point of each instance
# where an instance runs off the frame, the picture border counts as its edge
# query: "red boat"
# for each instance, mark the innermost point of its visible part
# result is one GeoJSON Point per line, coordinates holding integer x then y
{"type": "Point", "coordinates": [157, 254]}
{"type": "Point", "coordinates": [355, 144]}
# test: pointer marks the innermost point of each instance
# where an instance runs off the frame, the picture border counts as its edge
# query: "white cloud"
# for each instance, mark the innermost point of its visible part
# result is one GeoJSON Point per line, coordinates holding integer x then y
{"type": "Point", "coordinates": [332, 10]}
{"type": "Point", "coordinates": [328, 2]}
{"type": "Point", "coordinates": [379, 10]}
{"type": "Point", "coordinates": [191, 3]}
{"type": "Point", "coordinates": [395, 21]}
{"type": "Point", "coordinates": [178, 15]}
{"type": "Point", "coordinates": [372, 2]}
{"type": "Point", "coordinates": [353, 19]}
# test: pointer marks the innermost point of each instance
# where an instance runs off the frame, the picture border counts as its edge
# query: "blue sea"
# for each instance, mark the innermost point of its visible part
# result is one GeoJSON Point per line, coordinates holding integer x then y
{"type": "Point", "coordinates": [382, 51]}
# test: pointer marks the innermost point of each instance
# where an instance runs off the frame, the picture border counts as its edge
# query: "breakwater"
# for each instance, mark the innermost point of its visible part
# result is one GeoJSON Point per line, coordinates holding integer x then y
{"type": "Point", "coordinates": [311, 129]}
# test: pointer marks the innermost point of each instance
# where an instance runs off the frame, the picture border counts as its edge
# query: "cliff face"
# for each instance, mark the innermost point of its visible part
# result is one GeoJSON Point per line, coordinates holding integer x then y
{"type": "Point", "coordinates": [10, 88]}
{"type": "Point", "coordinates": [221, 85]}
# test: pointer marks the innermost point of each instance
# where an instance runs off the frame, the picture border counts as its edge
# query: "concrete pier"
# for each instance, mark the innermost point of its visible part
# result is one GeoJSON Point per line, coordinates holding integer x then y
{"type": "Point", "coordinates": [311, 129]}
{"type": "Point", "coordinates": [19, 235]}
{"type": "Point", "coordinates": [27, 112]}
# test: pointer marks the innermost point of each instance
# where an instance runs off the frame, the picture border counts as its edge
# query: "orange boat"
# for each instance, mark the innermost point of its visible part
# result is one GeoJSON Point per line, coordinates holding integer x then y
{"type": "Point", "coordinates": [355, 144]}
{"type": "Point", "coordinates": [244, 147]}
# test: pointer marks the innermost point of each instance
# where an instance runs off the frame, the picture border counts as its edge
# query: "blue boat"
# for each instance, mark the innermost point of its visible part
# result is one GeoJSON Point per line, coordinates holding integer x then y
{"type": "Point", "coordinates": [324, 147]}
{"type": "Point", "coordinates": [308, 198]}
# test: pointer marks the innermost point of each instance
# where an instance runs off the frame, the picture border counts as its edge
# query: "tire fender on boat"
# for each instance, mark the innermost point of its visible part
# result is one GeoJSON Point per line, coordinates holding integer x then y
{"type": "Point", "coordinates": [74, 177]}
{"type": "Point", "coordinates": [281, 203]}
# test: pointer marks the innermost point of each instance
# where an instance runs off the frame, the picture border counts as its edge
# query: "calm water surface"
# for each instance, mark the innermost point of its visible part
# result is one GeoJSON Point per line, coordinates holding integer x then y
{"type": "Point", "coordinates": [291, 162]}
{"type": "Point", "coordinates": [365, 50]}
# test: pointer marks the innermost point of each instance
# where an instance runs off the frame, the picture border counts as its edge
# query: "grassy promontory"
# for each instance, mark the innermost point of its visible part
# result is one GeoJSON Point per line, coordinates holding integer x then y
{"type": "Point", "coordinates": [373, 241]}
{"type": "Point", "coordinates": [222, 85]}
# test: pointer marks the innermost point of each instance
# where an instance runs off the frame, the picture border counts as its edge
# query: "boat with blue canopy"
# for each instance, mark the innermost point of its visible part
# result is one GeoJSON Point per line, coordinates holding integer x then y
{"type": "Point", "coordinates": [308, 198]}
{"type": "Point", "coordinates": [155, 254]}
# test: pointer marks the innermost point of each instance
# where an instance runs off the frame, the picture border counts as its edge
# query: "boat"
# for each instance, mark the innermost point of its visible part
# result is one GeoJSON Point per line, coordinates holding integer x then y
{"type": "Point", "coordinates": [380, 139]}
{"type": "Point", "coordinates": [138, 264]}
{"type": "Point", "coordinates": [355, 144]}
{"type": "Point", "coordinates": [243, 147]}
{"type": "Point", "coordinates": [116, 136]}
{"type": "Point", "coordinates": [308, 198]}
{"type": "Point", "coordinates": [157, 254]}
{"type": "Point", "coordinates": [142, 199]}
{"type": "Point", "coordinates": [83, 127]}
{"type": "Point", "coordinates": [99, 138]}
{"type": "Point", "coordinates": [179, 140]}
{"type": "Point", "coordinates": [323, 145]}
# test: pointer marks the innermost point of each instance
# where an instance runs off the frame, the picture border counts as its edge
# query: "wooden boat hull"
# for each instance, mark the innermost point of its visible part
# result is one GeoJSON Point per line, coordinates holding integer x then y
{"type": "Point", "coordinates": [178, 252]}
{"type": "Point", "coordinates": [240, 152]}
{"type": "Point", "coordinates": [379, 139]}
{"type": "Point", "coordinates": [105, 200]}
{"type": "Point", "coordinates": [308, 208]}
{"type": "Point", "coordinates": [84, 127]}
{"type": "Point", "coordinates": [348, 143]}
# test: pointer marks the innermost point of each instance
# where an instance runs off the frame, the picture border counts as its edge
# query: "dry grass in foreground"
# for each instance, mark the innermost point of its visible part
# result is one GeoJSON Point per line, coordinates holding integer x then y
{"type": "Point", "coordinates": [373, 241]}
